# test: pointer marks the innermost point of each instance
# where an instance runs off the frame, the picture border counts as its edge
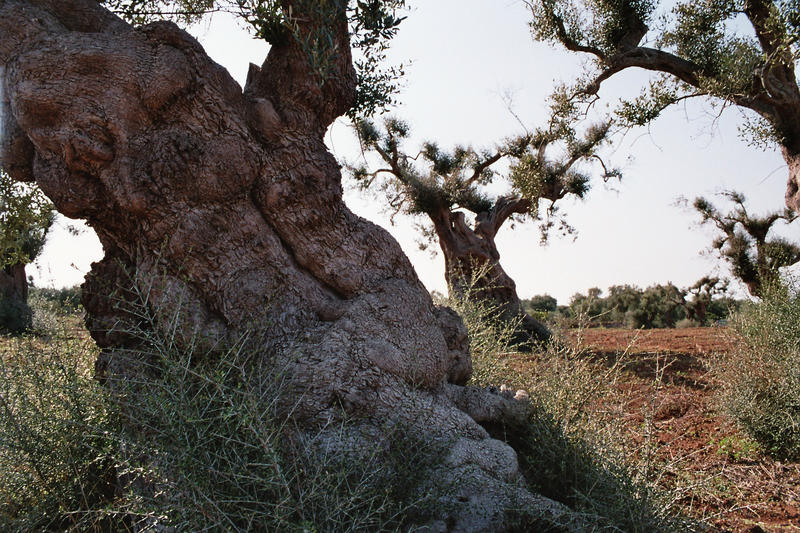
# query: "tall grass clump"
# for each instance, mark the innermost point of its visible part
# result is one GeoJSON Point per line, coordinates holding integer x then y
{"type": "Point", "coordinates": [570, 447]}
{"type": "Point", "coordinates": [210, 450]}
{"type": "Point", "coordinates": [490, 337]}
{"type": "Point", "coordinates": [760, 379]}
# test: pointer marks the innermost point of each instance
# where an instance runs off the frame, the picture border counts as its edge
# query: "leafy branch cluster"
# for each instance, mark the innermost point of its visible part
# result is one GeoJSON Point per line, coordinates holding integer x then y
{"type": "Point", "coordinates": [697, 49]}
{"type": "Point", "coordinates": [25, 216]}
{"type": "Point", "coordinates": [434, 181]}
{"type": "Point", "coordinates": [745, 241]}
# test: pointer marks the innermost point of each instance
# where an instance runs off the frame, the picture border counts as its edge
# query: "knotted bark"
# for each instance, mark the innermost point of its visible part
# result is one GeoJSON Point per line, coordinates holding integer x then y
{"type": "Point", "coordinates": [224, 207]}
{"type": "Point", "coordinates": [472, 264]}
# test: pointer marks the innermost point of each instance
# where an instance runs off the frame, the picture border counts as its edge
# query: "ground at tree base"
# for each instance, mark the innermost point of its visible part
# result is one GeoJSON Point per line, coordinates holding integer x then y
{"type": "Point", "coordinates": [727, 482]}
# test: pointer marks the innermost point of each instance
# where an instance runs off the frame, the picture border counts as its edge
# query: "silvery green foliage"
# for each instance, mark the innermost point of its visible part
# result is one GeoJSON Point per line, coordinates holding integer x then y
{"type": "Point", "coordinates": [25, 217]}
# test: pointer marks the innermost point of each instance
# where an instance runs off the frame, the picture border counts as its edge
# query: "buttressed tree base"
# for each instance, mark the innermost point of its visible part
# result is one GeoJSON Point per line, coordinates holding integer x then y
{"type": "Point", "coordinates": [224, 203]}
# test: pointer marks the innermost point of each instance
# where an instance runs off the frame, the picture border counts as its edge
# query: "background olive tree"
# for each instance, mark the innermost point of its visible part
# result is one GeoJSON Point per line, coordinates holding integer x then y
{"type": "Point", "coordinates": [25, 217]}
{"type": "Point", "coordinates": [747, 242]}
{"type": "Point", "coordinates": [738, 53]}
{"type": "Point", "coordinates": [450, 190]}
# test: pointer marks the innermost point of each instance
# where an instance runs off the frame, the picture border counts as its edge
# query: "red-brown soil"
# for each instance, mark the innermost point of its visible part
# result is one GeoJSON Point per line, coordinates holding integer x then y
{"type": "Point", "coordinates": [724, 479]}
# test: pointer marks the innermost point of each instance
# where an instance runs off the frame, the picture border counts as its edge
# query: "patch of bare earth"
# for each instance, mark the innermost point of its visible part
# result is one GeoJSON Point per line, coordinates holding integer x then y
{"type": "Point", "coordinates": [667, 404]}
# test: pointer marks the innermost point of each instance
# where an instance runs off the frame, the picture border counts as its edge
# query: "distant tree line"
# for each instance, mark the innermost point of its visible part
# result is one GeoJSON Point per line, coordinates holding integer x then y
{"type": "Point", "coordinates": [658, 306]}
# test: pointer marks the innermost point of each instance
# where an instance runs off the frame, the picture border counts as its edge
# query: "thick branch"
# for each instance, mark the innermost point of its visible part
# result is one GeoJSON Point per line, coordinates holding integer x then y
{"type": "Point", "coordinates": [758, 12]}
{"type": "Point", "coordinates": [482, 166]}
{"type": "Point", "coordinates": [16, 149]}
{"type": "Point", "coordinates": [86, 16]}
{"type": "Point", "coordinates": [489, 222]}
{"type": "Point", "coordinates": [23, 22]}
{"type": "Point", "coordinates": [441, 219]}
{"type": "Point", "coordinates": [305, 95]}
{"type": "Point", "coordinates": [648, 59]}
{"type": "Point", "coordinates": [564, 38]}
{"type": "Point", "coordinates": [393, 160]}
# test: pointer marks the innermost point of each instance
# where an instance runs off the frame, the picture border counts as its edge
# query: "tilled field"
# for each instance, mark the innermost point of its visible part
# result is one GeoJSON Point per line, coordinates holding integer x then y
{"type": "Point", "coordinates": [667, 387]}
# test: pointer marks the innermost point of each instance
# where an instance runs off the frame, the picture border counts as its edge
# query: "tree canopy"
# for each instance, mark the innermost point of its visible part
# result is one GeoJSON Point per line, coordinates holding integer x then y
{"type": "Point", "coordinates": [737, 52]}
{"type": "Point", "coordinates": [432, 179]}
{"type": "Point", "coordinates": [373, 24]}
{"type": "Point", "coordinates": [25, 217]}
{"type": "Point", "coordinates": [657, 306]}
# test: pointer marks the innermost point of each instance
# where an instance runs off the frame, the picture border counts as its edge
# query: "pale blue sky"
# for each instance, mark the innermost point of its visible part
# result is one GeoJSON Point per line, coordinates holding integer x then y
{"type": "Point", "coordinates": [463, 56]}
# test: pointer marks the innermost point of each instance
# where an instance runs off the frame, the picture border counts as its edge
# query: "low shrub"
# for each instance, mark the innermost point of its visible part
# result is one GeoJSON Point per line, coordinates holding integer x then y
{"type": "Point", "coordinates": [570, 449]}
{"type": "Point", "coordinates": [212, 453]}
{"type": "Point", "coordinates": [687, 323]}
{"type": "Point", "coordinates": [54, 310]}
{"type": "Point", "coordinates": [490, 337]}
{"type": "Point", "coordinates": [56, 436]}
{"type": "Point", "coordinates": [194, 443]}
{"type": "Point", "coordinates": [592, 479]}
{"type": "Point", "coordinates": [760, 379]}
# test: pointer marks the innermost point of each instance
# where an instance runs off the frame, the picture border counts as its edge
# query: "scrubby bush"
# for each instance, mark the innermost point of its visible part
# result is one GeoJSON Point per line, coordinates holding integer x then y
{"type": "Point", "coordinates": [489, 336]}
{"type": "Point", "coordinates": [213, 453]}
{"type": "Point", "coordinates": [568, 448]}
{"type": "Point", "coordinates": [721, 309]}
{"type": "Point", "coordinates": [53, 308]}
{"type": "Point", "coordinates": [56, 436]}
{"type": "Point", "coordinates": [209, 451]}
{"type": "Point", "coordinates": [658, 306]}
{"type": "Point", "coordinates": [761, 378]}
{"type": "Point", "coordinates": [571, 451]}
{"type": "Point", "coordinates": [687, 323]}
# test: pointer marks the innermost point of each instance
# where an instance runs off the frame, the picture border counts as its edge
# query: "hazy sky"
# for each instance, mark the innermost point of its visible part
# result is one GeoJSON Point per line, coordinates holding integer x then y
{"type": "Point", "coordinates": [465, 59]}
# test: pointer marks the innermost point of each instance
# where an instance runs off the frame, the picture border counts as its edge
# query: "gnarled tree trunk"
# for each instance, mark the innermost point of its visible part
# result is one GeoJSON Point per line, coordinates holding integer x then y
{"type": "Point", "coordinates": [15, 315]}
{"type": "Point", "coordinates": [226, 203]}
{"type": "Point", "coordinates": [472, 263]}
{"type": "Point", "coordinates": [792, 158]}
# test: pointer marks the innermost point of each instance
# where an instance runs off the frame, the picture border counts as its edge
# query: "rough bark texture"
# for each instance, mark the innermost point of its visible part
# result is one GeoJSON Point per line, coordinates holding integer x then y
{"type": "Point", "coordinates": [225, 207]}
{"type": "Point", "coordinates": [468, 251]}
{"type": "Point", "coordinates": [15, 315]}
{"type": "Point", "coordinates": [792, 159]}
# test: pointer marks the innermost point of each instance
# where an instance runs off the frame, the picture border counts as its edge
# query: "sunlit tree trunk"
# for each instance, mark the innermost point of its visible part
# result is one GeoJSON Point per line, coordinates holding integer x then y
{"type": "Point", "coordinates": [792, 158]}
{"type": "Point", "coordinates": [472, 264]}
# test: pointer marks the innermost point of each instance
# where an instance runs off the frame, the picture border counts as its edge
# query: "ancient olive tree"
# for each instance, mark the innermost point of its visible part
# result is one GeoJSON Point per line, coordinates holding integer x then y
{"type": "Point", "coordinates": [449, 190]}
{"type": "Point", "coordinates": [25, 216]}
{"type": "Point", "coordinates": [221, 208]}
{"type": "Point", "coordinates": [737, 52]}
{"type": "Point", "coordinates": [755, 256]}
